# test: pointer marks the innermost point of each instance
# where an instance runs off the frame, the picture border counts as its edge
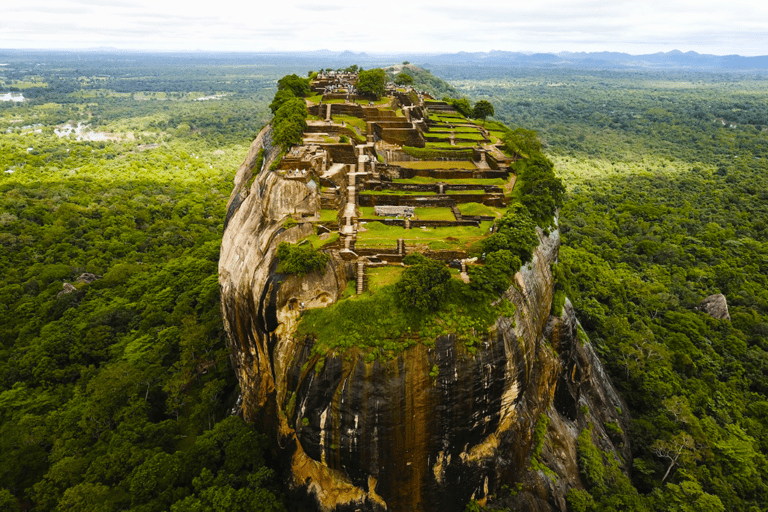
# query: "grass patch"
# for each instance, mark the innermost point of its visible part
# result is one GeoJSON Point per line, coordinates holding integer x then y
{"type": "Point", "coordinates": [367, 212]}
{"type": "Point", "coordinates": [318, 243]}
{"type": "Point", "coordinates": [431, 153]}
{"type": "Point", "coordinates": [459, 129]}
{"type": "Point", "coordinates": [329, 215]}
{"type": "Point", "coordinates": [447, 145]}
{"type": "Point", "coordinates": [480, 209]}
{"type": "Point", "coordinates": [434, 214]}
{"type": "Point", "coordinates": [376, 321]}
{"type": "Point", "coordinates": [350, 290]}
{"type": "Point", "coordinates": [455, 192]}
{"type": "Point", "coordinates": [470, 136]}
{"type": "Point", "coordinates": [455, 238]}
{"type": "Point", "coordinates": [352, 121]}
{"type": "Point", "coordinates": [388, 192]}
{"type": "Point", "coordinates": [426, 180]}
{"type": "Point", "coordinates": [383, 276]}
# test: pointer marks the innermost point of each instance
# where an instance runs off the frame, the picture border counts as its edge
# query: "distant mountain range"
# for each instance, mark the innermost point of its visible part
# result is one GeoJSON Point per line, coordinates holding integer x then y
{"type": "Point", "coordinates": [617, 60]}
{"type": "Point", "coordinates": [674, 59]}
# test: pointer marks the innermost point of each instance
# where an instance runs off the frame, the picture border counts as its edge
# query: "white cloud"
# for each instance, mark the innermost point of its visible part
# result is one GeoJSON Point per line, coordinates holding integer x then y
{"type": "Point", "coordinates": [737, 26]}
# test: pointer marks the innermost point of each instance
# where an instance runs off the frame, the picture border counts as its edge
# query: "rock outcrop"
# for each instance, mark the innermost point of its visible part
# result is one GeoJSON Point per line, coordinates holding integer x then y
{"type": "Point", "coordinates": [387, 435]}
{"type": "Point", "coordinates": [716, 306]}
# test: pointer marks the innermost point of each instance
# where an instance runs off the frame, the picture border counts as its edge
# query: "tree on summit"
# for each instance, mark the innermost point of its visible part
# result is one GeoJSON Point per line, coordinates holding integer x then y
{"type": "Point", "coordinates": [294, 83]}
{"type": "Point", "coordinates": [403, 79]}
{"type": "Point", "coordinates": [372, 82]}
{"type": "Point", "coordinates": [423, 285]}
{"type": "Point", "coordinates": [483, 109]}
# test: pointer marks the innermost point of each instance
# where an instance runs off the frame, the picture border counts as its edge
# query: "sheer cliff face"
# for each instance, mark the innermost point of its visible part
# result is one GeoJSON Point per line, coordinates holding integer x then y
{"type": "Point", "coordinates": [386, 435]}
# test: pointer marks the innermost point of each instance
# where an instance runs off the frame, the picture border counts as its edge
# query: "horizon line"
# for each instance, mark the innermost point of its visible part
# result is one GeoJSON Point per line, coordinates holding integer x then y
{"type": "Point", "coordinates": [107, 49]}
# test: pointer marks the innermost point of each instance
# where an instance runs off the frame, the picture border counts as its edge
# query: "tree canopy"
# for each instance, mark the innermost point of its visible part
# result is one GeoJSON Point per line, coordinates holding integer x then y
{"type": "Point", "coordinates": [403, 78]}
{"type": "Point", "coordinates": [423, 285]}
{"type": "Point", "coordinates": [300, 259]}
{"type": "Point", "coordinates": [482, 110]}
{"type": "Point", "coordinates": [371, 82]}
{"type": "Point", "coordinates": [521, 141]}
{"type": "Point", "coordinates": [297, 85]}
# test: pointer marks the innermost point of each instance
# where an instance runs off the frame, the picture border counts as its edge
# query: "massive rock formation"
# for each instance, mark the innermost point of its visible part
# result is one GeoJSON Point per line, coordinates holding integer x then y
{"type": "Point", "coordinates": [387, 435]}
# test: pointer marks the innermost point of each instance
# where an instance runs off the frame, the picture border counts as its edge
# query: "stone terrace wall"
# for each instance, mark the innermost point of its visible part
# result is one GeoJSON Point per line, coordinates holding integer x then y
{"type": "Point", "coordinates": [341, 153]}
{"type": "Point", "coordinates": [401, 136]}
{"type": "Point", "coordinates": [339, 109]}
{"type": "Point", "coordinates": [331, 129]}
{"type": "Point", "coordinates": [446, 174]}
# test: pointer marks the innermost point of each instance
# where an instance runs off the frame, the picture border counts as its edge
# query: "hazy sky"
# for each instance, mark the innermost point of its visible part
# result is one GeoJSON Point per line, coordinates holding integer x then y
{"type": "Point", "coordinates": [636, 26]}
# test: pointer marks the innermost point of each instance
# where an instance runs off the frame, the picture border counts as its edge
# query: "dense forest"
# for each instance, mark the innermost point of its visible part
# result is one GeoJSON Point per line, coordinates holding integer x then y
{"type": "Point", "coordinates": [116, 391]}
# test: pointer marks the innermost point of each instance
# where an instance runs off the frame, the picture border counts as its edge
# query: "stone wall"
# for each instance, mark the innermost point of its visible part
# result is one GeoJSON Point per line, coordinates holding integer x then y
{"type": "Point", "coordinates": [401, 136]}
{"type": "Point", "coordinates": [341, 153]}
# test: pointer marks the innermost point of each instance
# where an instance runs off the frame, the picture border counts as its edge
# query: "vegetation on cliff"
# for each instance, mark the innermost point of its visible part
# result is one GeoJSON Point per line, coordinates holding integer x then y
{"type": "Point", "coordinates": [299, 259]}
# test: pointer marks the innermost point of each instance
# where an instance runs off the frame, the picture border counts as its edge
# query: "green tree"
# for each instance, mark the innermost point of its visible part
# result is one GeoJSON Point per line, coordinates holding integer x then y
{"type": "Point", "coordinates": [482, 110]}
{"type": "Point", "coordinates": [542, 192]}
{"type": "Point", "coordinates": [300, 259]}
{"type": "Point", "coordinates": [462, 106]}
{"type": "Point", "coordinates": [424, 285]}
{"type": "Point", "coordinates": [289, 123]}
{"type": "Point", "coordinates": [521, 141]}
{"type": "Point", "coordinates": [280, 98]}
{"type": "Point", "coordinates": [403, 78]}
{"type": "Point", "coordinates": [371, 82]}
{"type": "Point", "coordinates": [297, 85]}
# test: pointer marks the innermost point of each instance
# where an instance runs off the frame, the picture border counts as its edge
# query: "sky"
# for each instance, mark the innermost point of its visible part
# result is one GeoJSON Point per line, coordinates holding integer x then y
{"type": "Point", "coordinates": [390, 26]}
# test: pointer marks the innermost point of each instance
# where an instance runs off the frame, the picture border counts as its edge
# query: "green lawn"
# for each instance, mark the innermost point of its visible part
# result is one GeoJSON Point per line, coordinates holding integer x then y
{"type": "Point", "coordinates": [387, 192]}
{"type": "Point", "coordinates": [455, 192]}
{"type": "Point", "coordinates": [458, 145]}
{"type": "Point", "coordinates": [351, 120]}
{"type": "Point", "coordinates": [328, 215]}
{"type": "Point", "coordinates": [458, 238]}
{"type": "Point", "coordinates": [368, 212]}
{"type": "Point", "coordinates": [480, 209]}
{"type": "Point", "coordinates": [317, 242]}
{"type": "Point", "coordinates": [463, 181]}
{"type": "Point", "coordinates": [434, 214]}
{"type": "Point", "coordinates": [382, 276]}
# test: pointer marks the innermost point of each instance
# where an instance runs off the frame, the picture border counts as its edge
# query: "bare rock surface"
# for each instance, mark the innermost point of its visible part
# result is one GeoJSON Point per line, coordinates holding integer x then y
{"type": "Point", "coordinates": [87, 278]}
{"type": "Point", "coordinates": [716, 306]}
{"type": "Point", "coordinates": [66, 288]}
